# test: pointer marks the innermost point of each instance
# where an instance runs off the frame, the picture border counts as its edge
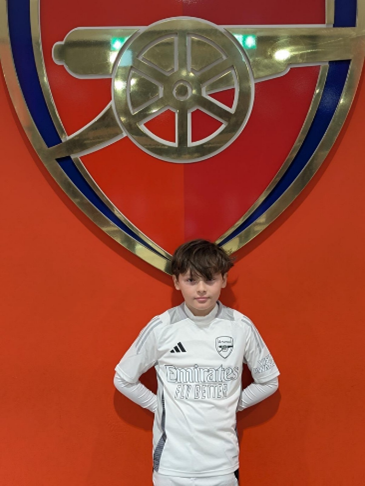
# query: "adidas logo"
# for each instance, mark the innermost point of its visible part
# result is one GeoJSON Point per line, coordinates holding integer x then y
{"type": "Point", "coordinates": [179, 348]}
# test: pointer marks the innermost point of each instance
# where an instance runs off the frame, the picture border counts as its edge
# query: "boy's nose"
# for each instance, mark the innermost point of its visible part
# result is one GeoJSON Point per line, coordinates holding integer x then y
{"type": "Point", "coordinates": [201, 287]}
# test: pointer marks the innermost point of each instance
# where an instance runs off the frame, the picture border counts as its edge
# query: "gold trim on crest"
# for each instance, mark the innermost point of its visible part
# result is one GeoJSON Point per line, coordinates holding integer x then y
{"type": "Point", "coordinates": [325, 145]}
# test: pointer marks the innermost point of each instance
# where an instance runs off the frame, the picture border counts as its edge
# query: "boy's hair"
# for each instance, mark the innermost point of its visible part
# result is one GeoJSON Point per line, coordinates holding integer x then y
{"type": "Point", "coordinates": [202, 258]}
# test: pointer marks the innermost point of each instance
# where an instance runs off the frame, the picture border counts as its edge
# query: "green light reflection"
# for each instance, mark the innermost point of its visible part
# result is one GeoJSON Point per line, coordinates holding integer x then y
{"type": "Point", "coordinates": [247, 41]}
{"type": "Point", "coordinates": [116, 43]}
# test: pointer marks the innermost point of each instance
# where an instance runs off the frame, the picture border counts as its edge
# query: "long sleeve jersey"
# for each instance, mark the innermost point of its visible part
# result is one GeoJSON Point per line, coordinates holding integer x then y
{"type": "Point", "coordinates": [199, 367]}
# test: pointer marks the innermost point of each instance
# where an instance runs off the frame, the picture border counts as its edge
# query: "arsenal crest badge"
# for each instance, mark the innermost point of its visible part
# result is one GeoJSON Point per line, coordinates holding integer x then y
{"type": "Point", "coordinates": [224, 346]}
{"type": "Point", "coordinates": [170, 121]}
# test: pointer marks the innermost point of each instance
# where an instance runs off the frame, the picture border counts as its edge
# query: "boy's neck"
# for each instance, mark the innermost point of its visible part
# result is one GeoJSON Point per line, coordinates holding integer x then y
{"type": "Point", "coordinates": [201, 313]}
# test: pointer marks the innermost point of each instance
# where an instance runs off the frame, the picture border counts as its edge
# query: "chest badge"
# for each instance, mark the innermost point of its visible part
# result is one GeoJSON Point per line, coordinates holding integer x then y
{"type": "Point", "coordinates": [224, 346]}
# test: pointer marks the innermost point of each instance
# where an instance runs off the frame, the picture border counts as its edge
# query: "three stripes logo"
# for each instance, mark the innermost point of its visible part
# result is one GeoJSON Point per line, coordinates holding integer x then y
{"type": "Point", "coordinates": [179, 348]}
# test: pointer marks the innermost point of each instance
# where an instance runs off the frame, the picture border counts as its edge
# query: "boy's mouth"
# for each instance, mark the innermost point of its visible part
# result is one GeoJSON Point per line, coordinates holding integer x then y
{"type": "Point", "coordinates": [201, 299]}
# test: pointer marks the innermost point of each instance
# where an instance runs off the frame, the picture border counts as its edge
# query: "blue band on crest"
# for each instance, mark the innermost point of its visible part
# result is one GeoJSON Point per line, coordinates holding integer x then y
{"type": "Point", "coordinates": [23, 55]}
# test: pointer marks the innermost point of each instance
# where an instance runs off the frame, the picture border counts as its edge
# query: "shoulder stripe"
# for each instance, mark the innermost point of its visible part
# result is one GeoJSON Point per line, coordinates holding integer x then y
{"type": "Point", "coordinates": [259, 342]}
{"type": "Point", "coordinates": [147, 332]}
{"type": "Point", "coordinates": [225, 313]}
{"type": "Point", "coordinates": [177, 314]}
{"type": "Point", "coordinates": [146, 329]}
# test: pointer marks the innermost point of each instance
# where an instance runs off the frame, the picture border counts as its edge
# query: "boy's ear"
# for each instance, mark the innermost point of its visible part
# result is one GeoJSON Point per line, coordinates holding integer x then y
{"type": "Point", "coordinates": [224, 280]}
{"type": "Point", "coordinates": [176, 282]}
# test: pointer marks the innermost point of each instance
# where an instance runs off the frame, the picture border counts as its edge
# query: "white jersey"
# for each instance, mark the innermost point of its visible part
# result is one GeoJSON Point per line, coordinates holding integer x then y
{"type": "Point", "coordinates": [199, 372]}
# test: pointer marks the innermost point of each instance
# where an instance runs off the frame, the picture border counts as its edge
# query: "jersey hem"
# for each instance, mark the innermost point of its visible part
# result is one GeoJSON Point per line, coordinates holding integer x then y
{"type": "Point", "coordinates": [195, 474]}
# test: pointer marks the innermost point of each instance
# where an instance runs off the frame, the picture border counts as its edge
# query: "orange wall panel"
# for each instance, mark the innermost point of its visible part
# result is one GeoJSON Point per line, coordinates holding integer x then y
{"type": "Point", "coordinates": [72, 301]}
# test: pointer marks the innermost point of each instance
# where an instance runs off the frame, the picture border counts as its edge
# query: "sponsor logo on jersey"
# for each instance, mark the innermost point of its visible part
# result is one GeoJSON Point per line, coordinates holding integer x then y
{"type": "Point", "coordinates": [264, 364]}
{"type": "Point", "coordinates": [224, 346]}
{"type": "Point", "coordinates": [199, 382]}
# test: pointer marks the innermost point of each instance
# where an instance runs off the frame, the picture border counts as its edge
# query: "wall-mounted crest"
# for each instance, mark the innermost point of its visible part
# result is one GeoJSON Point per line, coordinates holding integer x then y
{"type": "Point", "coordinates": [182, 122]}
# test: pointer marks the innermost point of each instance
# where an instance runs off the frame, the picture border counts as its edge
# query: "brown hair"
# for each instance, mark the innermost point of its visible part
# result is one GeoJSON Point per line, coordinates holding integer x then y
{"type": "Point", "coordinates": [200, 257]}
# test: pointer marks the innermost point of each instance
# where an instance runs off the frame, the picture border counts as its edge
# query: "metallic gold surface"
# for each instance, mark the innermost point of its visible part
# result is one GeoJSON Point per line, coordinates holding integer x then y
{"type": "Point", "coordinates": [330, 12]}
{"type": "Point", "coordinates": [101, 130]}
{"type": "Point", "coordinates": [87, 51]}
{"type": "Point", "coordinates": [92, 52]}
{"type": "Point", "coordinates": [277, 48]}
{"type": "Point", "coordinates": [194, 44]}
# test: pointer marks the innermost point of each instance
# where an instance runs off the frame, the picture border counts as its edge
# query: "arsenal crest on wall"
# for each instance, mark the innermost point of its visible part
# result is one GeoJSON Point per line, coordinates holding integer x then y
{"type": "Point", "coordinates": [171, 120]}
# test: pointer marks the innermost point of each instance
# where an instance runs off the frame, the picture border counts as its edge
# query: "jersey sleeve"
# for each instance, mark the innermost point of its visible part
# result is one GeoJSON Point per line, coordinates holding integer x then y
{"type": "Point", "coordinates": [141, 356]}
{"type": "Point", "coordinates": [258, 357]}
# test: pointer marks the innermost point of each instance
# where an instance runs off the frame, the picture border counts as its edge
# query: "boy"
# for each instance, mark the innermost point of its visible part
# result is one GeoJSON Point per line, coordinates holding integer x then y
{"type": "Point", "coordinates": [198, 350]}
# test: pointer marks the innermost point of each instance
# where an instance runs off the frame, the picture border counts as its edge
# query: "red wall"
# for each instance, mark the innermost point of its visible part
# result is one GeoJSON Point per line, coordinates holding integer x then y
{"type": "Point", "coordinates": [72, 301]}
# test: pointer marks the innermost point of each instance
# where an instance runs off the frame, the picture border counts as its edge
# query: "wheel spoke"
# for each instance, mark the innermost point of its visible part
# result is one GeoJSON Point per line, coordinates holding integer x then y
{"type": "Point", "coordinates": [182, 128]}
{"type": "Point", "coordinates": [215, 110]}
{"type": "Point", "coordinates": [224, 82]}
{"type": "Point", "coordinates": [215, 71]}
{"type": "Point", "coordinates": [150, 110]}
{"type": "Point", "coordinates": [150, 72]}
{"type": "Point", "coordinates": [182, 51]}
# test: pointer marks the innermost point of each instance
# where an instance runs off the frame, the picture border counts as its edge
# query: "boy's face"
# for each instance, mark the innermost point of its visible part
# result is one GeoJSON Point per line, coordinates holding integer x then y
{"type": "Point", "coordinates": [200, 295]}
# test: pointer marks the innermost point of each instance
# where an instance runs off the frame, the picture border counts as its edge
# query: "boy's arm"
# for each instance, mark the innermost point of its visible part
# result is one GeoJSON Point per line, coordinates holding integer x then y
{"type": "Point", "coordinates": [256, 392]}
{"type": "Point", "coordinates": [136, 392]}
{"type": "Point", "coordinates": [262, 366]}
{"type": "Point", "coordinates": [141, 356]}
